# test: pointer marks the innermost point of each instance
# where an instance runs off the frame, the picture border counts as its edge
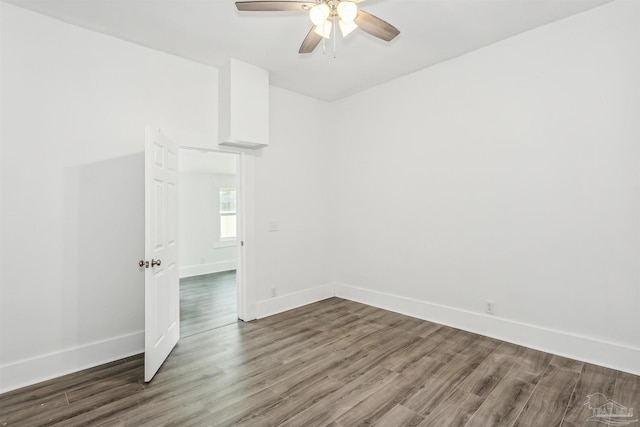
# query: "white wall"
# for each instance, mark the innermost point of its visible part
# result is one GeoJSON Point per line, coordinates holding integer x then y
{"type": "Point", "coordinates": [291, 189]}
{"type": "Point", "coordinates": [199, 206]}
{"type": "Point", "coordinates": [75, 104]}
{"type": "Point", "coordinates": [74, 107]}
{"type": "Point", "coordinates": [510, 174]}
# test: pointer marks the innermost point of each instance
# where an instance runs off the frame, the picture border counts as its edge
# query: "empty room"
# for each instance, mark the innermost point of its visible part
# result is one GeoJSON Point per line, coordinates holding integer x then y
{"type": "Point", "coordinates": [326, 213]}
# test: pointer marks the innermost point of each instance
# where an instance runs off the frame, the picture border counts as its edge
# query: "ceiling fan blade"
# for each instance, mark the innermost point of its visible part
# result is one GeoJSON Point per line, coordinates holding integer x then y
{"type": "Point", "coordinates": [376, 26]}
{"type": "Point", "coordinates": [310, 42]}
{"type": "Point", "coordinates": [274, 6]}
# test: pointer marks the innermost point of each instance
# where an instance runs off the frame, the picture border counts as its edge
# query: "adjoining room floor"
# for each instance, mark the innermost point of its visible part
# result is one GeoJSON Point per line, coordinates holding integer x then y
{"type": "Point", "coordinates": [333, 363]}
{"type": "Point", "coordinates": [208, 301]}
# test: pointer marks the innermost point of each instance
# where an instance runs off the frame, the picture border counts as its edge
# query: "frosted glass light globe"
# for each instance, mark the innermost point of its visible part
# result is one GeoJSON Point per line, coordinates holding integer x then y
{"type": "Point", "coordinates": [324, 29]}
{"type": "Point", "coordinates": [346, 27]}
{"type": "Point", "coordinates": [319, 13]}
{"type": "Point", "coordinates": [347, 10]}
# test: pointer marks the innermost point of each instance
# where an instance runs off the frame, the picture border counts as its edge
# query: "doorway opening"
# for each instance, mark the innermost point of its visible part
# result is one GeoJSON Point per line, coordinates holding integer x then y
{"type": "Point", "coordinates": [209, 235]}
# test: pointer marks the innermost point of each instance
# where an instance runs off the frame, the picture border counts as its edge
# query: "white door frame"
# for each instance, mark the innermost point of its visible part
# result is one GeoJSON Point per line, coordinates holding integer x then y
{"type": "Point", "coordinates": [246, 253]}
{"type": "Point", "coordinates": [243, 299]}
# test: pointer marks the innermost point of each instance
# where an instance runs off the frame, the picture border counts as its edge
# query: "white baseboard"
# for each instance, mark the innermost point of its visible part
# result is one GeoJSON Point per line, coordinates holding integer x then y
{"type": "Point", "coordinates": [587, 349]}
{"type": "Point", "coordinates": [200, 269]}
{"type": "Point", "coordinates": [286, 302]}
{"type": "Point", "coordinates": [31, 371]}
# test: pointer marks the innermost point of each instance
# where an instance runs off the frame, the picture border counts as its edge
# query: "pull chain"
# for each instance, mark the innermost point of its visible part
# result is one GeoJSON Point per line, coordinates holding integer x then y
{"type": "Point", "coordinates": [334, 36]}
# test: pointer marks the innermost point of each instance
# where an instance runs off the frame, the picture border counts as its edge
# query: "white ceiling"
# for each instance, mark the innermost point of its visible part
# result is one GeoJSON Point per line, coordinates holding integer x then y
{"type": "Point", "coordinates": [211, 31]}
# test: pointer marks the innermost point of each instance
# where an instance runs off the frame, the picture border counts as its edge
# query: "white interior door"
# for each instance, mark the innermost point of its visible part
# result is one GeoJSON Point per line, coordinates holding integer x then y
{"type": "Point", "coordinates": [161, 288]}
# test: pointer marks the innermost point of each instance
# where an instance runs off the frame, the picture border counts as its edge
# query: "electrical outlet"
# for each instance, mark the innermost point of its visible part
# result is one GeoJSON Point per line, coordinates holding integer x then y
{"type": "Point", "coordinates": [274, 292]}
{"type": "Point", "coordinates": [273, 226]}
{"type": "Point", "coordinates": [490, 307]}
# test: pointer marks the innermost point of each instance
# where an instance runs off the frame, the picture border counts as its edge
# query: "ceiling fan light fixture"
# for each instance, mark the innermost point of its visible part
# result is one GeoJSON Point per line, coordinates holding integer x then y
{"type": "Point", "coordinates": [347, 27]}
{"type": "Point", "coordinates": [324, 29]}
{"type": "Point", "coordinates": [326, 16]}
{"type": "Point", "coordinates": [347, 10]}
{"type": "Point", "coordinates": [319, 14]}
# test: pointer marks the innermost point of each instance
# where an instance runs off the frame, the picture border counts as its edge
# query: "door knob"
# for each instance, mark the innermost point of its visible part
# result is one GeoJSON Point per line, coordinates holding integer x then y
{"type": "Point", "coordinates": [143, 264]}
{"type": "Point", "coordinates": [155, 262]}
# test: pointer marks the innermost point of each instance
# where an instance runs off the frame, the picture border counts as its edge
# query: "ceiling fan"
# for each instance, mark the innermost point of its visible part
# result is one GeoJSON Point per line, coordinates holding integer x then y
{"type": "Point", "coordinates": [324, 15]}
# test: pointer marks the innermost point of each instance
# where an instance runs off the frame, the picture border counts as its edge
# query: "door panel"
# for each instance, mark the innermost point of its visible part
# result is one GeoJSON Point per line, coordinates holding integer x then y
{"type": "Point", "coordinates": [162, 292]}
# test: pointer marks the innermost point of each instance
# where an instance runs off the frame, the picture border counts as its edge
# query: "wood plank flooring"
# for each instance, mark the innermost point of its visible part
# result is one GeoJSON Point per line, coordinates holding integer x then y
{"type": "Point", "coordinates": [334, 363]}
{"type": "Point", "coordinates": [207, 301]}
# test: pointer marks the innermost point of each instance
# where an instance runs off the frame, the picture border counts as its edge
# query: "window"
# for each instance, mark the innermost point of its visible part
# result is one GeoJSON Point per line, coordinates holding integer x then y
{"type": "Point", "coordinates": [227, 214]}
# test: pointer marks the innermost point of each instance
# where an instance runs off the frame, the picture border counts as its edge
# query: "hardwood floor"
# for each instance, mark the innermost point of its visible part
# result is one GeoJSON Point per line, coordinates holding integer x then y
{"type": "Point", "coordinates": [207, 301]}
{"type": "Point", "coordinates": [333, 363]}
